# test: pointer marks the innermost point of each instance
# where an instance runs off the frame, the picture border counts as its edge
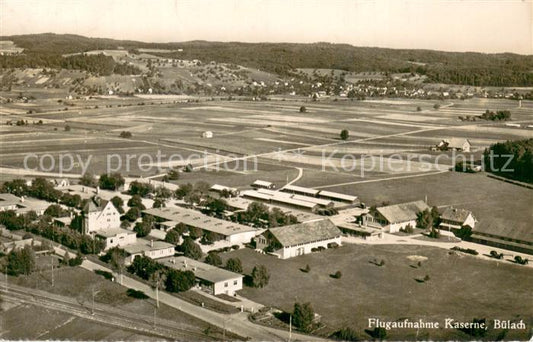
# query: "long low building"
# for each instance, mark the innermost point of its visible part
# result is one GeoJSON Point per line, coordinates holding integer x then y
{"type": "Point", "coordinates": [210, 278]}
{"type": "Point", "coordinates": [299, 239]}
{"type": "Point", "coordinates": [325, 195]}
{"type": "Point", "coordinates": [280, 198]}
{"type": "Point", "coordinates": [231, 231]}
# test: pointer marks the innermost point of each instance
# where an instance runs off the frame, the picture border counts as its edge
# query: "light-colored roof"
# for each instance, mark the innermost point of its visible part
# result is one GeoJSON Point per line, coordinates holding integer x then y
{"type": "Point", "coordinates": [218, 187]}
{"type": "Point", "coordinates": [336, 195]}
{"type": "Point", "coordinates": [196, 219]}
{"type": "Point", "coordinates": [278, 197]}
{"type": "Point", "coordinates": [262, 183]}
{"type": "Point", "coordinates": [295, 188]}
{"type": "Point", "coordinates": [457, 142]}
{"type": "Point", "coordinates": [455, 214]}
{"type": "Point", "coordinates": [143, 245]}
{"type": "Point", "coordinates": [65, 220]}
{"type": "Point", "coordinates": [306, 232]}
{"type": "Point", "coordinates": [255, 194]}
{"type": "Point", "coordinates": [200, 269]}
{"type": "Point", "coordinates": [112, 232]}
{"type": "Point", "coordinates": [7, 200]}
{"type": "Point", "coordinates": [402, 212]}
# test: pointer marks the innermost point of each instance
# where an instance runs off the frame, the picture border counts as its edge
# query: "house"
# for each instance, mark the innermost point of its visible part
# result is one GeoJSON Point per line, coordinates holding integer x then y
{"type": "Point", "coordinates": [116, 237]}
{"type": "Point", "coordinates": [398, 216]}
{"type": "Point", "coordinates": [299, 239]}
{"type": "Point", "coordinates": [211, 279]}
{"type": "Point", "coordinates": [230, 231]}
{"type": "Point", "coordinates": [207, 134]}
{"type": "Point", "coordinates": [23, 204]}
{"type": "Point", "coordinates": [149, 248]}
{"type": "Point", "coordinates": [99, 215]}
{"type": "Point", "coordinates": [454, 218]}
{"type": "Point", "coordinates": [455, 144]}
{"type": "Point", "coordinates": [263, 184]}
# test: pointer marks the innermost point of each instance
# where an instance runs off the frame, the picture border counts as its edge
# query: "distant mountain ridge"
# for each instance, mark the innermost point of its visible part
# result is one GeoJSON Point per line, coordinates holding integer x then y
{"type": "Point", "coordinates": [479, 69]}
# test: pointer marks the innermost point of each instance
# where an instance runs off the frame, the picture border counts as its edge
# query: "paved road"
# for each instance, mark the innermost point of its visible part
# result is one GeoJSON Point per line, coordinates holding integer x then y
{"type": "Point", "coordinates": [236, 323]}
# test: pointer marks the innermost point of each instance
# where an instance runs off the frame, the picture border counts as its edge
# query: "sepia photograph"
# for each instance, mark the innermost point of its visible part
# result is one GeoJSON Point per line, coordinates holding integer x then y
{"type": "Point", "coordinates": [266, 170]}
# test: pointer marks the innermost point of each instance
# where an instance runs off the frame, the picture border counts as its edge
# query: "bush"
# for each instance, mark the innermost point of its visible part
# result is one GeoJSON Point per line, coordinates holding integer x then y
{"type": "Point", "coordinates": [235, 247]}
{"type": "Point", "coordinates": [105, 274]}
{"type": "Point", "coordinates": [465, 250]}
{"type": "Point", "coordinates": [332, 245]}
{"type": "Point", "coordinates": [260, 276]}
{"type": "Point", "coordinates": [344, 134]}
{"type": "Point", "coordinates": [136, 294]}
{"type": "Point", "coordinates": [337, 275]}
{"type": "Point", "coordinates": [125, 134]}
{"type": "Point", "coordinates": [346, 334]}
{"type": "Point", "coordinates": [234, 265]}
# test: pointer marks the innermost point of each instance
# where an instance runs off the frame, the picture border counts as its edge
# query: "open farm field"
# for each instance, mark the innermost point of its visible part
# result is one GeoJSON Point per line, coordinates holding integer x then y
{"type": "Point", "coordinates": [391, 292]}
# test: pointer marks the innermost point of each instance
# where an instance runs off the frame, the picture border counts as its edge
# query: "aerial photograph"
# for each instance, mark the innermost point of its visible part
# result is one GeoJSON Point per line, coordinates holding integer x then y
{"type": "Point", "coordinates": [266, 170]}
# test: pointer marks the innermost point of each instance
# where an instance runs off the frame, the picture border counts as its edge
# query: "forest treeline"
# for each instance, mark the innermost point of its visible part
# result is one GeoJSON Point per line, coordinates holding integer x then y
{"type": "Point", "coordinates": [466, 68]}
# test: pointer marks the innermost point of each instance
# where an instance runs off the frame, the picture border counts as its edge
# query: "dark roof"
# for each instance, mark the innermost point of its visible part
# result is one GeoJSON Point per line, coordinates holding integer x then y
{"type": "Point", "coordinates": [402, 212]}
{"type": "Point", "coordinates": [305, 232]}
{"type": "Point", "coordinates": [94, 204]}
{"type": "Point", "coordinates": [455, 214]}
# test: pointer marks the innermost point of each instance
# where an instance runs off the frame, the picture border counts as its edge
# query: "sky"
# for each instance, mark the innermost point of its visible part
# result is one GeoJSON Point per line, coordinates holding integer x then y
{"type": "Point", "coordinates": [449, 25]}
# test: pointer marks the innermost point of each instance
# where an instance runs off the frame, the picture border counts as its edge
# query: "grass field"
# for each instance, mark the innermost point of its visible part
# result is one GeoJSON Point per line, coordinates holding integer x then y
{"type": "Point", "coordinates": [78, 283]}
{"type": "Point", "coordinates": [460, 287]}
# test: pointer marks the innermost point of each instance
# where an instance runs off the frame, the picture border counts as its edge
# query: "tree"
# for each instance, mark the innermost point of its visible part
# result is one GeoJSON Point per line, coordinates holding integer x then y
{"type": "Point", "coordinates": [157, 279]}
{"type": "Point", "coordinates": [436, 106]}
{"type": "Point", "coordinates": [183, 190]}
{"type": "Point", "coordinates": [88, 180]}
{"type": "Point", "coordinates": [213, 259]}
{"type": "Point", "coordinates": [217, 206]}
{"type": "Point", "coordinates": [21, 261]}
{"type": "Point", "coordinates": [145, 227]}
{"type": "Point", "coordinates": [194, 232]}
{"type": "Point", "coordinates": [303, 109]}
{"type": "Point", "coordinates": [55, 210]}
{"type": "Point", "coordinates": [234, 265]}
{"type": "Point", "coordinates": [303, 316]}
{"type": "Point", "coordinates": [173, 236]}
{"type": "Point", "coordinates": [118, 203]}
{"type": "Point", "coordinates": [179, 281]}
{"type": "Point", "coordinates": [117, 261]}
{"type": "Point", "coordinates": [345, 134]}
{"type": "Point", "coordinates": [159, 203]}
{"type": "Point", "coordinates": [111, 181]}
{"type": "Point", "coordinates": [173, 174]}
{"type": "Point", "coordinates": [136, 202]}
{"type": "Point", "coordinates": [132, 215]}
{"type": "Point", "coordinates": [260, 276]}
{"type": "Point", "coordinates": [125, 134]}
{"type": "Point", "coordinates": [191, 249]}
{"type": "Point", "coordinates": [67, 128]}
{"type": "Point", "coordinates": [141, 189]}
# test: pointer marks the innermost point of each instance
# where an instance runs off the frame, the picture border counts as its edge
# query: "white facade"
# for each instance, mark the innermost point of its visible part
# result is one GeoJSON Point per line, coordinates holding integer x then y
{"type": "Point", "coordinates": [395, 227]}
{"type": "Point", "coordinates": [229, 286]}
{"type": "Point", "coordinates": [121, 238]}
{"type": "Point", "coordinates": [287, 252]}
{"type": "Point", "coordinates": [106, 218]}
{"type": "Point", "coordinates": [243, 237]}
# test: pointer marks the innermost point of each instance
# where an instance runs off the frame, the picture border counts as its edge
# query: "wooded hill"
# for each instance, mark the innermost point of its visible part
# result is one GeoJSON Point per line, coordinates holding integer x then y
{"type": "Point", "coordinates": [467, 68]}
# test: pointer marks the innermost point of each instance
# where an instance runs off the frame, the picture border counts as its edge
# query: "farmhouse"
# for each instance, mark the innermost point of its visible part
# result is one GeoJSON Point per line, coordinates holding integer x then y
{"type": "Point", "coordinates": [99, 215]}
{"type": "Point", "coordinates": [207, 134]}
{"type": "Point", "coordinates": [299, 239]}
{"type": "Point", "coordinates": [455, 144]}
{"type": "Point", "coordinates": [398, 216]}
{"type": "Point", "coordinates": [211, 279]}
{"type": "Point", "coordinates": [116, 237]}
{"type": "Point", "coordinates": [230, 231]}
{"type": "Point", "coordinates": [149, 248]}
{"type": "Point", "coordinates": [263, 184]}
{"type": "Point", "coordinates": [454, 218]}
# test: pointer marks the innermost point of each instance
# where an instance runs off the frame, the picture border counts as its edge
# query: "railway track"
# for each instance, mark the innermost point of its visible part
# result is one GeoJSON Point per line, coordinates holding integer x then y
{"type": "Point", "coordinates": [103, 314]}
